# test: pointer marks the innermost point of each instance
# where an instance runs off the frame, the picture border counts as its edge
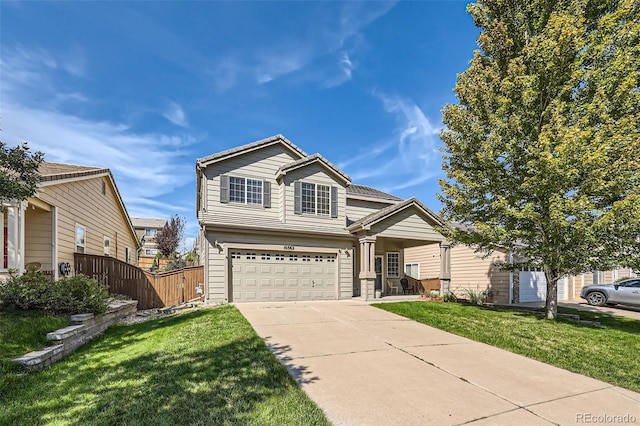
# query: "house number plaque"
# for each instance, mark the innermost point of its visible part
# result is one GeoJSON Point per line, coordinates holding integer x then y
{"type": "Point", "coordinates": [289, 248]}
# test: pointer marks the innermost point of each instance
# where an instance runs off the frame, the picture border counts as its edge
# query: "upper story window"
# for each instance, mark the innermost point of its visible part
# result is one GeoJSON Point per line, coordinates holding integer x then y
{"type": "Point", "coordinates": [81, 234]}
{"type": "Point", "coordinates": [234, 189]}
{"type": "Point", "coordinates": [150, 232]}
{"type": "Point", "coordinates": [150, 252]}
{"type": "Point", "coordinates": [245, 191]}
{"type": "Point", "coordinates": [314, 198]}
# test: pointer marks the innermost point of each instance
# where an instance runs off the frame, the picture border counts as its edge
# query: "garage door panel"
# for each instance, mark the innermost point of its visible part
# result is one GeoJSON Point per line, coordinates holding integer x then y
{"type": "Point", "coordinates": [260, 276]}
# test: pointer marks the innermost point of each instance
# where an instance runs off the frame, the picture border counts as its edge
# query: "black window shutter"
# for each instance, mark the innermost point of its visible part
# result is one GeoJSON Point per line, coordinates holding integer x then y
{"type": "Point", "coordinates": [297, 197]}
{"type": "Point", "coordinates": [334, 201]}
{"type": "Point", "coordinates": [266, 194]}
{"type": "Point", "coordinates": [224, 188]}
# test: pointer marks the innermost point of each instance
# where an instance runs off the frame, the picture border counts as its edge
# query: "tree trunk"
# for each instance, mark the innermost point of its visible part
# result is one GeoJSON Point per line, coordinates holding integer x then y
{"type": "Point", "coordinates": [551, 303]}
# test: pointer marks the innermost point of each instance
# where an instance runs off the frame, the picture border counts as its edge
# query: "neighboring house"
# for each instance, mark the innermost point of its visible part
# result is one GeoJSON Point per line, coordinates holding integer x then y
{"type": "Point", "coordinates": [75, 209]}
{"type": "Point", "coordinates": [146, 231]}
{"type": "Point", "coordinates": [476, 272]}
{"type": "Point", "coordinates": [278, 224]}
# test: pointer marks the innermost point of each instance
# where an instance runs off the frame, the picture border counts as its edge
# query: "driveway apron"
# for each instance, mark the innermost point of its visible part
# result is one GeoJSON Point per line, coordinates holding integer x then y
{"type": "Point", "coordinates": [366, 366]}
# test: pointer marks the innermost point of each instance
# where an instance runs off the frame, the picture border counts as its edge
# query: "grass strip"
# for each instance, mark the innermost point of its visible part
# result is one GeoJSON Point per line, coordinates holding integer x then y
{"type": "Point", "coordinates": [608, 352]}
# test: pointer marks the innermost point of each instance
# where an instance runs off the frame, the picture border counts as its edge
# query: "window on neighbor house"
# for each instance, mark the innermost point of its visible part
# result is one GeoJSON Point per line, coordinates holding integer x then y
{"type": "Point", "coordinates": [106, 242]}
{"type": "Point", "coordinates": [8, 237]}
{"type": "Point", "coordinates": [81, 235]}
{"type": "Point", "coordinates": [150, 232]}
{"type": "Point", "coordinates": [412, 269]}
{"type": "Point", "coordinates": [393, 264]}
{"type": "Point", "coordinates": [150, 252]}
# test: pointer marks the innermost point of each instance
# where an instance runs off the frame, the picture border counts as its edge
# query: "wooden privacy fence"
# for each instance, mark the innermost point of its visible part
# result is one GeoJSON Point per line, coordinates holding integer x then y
{"type": "Point", "coordinates": [150, 290]}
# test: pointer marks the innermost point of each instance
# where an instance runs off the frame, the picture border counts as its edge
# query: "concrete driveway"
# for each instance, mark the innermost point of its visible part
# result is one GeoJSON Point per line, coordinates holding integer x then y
{"type": "Point", "coordinates": [365, 366]}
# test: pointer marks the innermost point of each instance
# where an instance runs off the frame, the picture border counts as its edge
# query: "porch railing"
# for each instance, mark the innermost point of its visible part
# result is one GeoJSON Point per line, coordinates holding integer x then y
{"type": "Point", "coordinates": [424, 285]}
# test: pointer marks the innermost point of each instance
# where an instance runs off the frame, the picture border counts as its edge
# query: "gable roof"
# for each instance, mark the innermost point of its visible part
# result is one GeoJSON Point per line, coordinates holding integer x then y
{"type": "Point", "coordinates": [357, 191]}
{"type": "Point", "coordinates": [58, 171]}
{"type": "Point", "coordinates": [315, 158]}
{"type": "Point", "coordinates": [144, 222]}
{"type": "Point", "coordinates": [273, 140]}
{"type": "Point", "coordinates": [370, 220]}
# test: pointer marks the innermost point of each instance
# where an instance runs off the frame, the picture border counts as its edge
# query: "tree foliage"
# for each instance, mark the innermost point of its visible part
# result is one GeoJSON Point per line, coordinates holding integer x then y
{"type": "Point", "coordinates": [169, 237]}
{"type": "Point", "coordinates": [542, 152]}
{"type": "Point", "coordinates": [18, 172]}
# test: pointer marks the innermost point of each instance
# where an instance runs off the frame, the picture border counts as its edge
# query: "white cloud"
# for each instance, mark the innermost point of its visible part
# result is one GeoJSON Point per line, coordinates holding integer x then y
{"type": "Point", "coordinates": [146, 166]}
{"type": "Point", "coordinates": [406, 159]}
{"type": "Point", "coordinates": [176, 115]}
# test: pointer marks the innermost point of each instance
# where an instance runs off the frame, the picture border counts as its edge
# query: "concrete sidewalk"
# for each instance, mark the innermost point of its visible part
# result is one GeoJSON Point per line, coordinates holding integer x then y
{"type": "Point", "coordinates": [365, 366]}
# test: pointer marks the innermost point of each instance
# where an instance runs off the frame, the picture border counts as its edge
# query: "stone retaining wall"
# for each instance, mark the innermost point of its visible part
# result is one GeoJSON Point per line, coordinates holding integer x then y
{"type": "Point", "coordinates": [82, 328]}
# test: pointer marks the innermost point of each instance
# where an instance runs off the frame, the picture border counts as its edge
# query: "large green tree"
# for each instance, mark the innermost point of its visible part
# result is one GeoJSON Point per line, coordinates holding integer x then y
{"type": "Point", "coordinates": [19, 175]}
{"type": "Point", "coordinates": [542, 151]}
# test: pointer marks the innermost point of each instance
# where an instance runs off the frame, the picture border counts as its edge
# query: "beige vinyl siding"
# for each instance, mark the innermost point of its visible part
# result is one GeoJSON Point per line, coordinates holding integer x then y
{"type": "Point", "coordinates": [357, 209]}
{"type": "Point", "coordinates": [470, 272]}
{"type": "Point", "coordinates": [82, 202]}
{"type": "Point", "coordinates": [406, 224]}
{"type": "Point", "coordinates": [39, 237]}
{"type": "Point", "coordinates": [217, 261]}
{"type": "Point", "coordinates": [313, 173]}
{"type": "Point", "coordinates": [428, 257]}
{"type": "Point", "coordinates": [261, 164]}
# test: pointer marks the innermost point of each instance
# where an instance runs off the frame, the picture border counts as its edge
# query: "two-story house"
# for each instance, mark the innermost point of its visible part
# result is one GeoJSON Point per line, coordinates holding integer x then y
{"type": "Point", "coordinates": [278, 224]}
{"type": "Point", "coordinates": [146, 230]}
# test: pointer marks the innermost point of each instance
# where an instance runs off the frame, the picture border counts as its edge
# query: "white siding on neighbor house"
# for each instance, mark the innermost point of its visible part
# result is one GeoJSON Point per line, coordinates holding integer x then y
{"type": "Point", "coordinates": [406, 224]}
{"type": "Point", "coordinates": [260, 164]}
{"type": "Point", "coordinates": [217, 262]}
{"type": "Point", "coordinates": [357, 209]}
{"type": "Point", "coordinates": [83, 202]}
{"type": "Point", "coordinates": [313, 173]}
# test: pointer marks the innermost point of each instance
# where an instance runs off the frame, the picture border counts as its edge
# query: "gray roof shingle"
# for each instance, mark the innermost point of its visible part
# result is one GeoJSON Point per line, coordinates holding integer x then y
{"type": "Point", "coordinates": [310, 159]}
{"type": "Point", "coordinates": [366, 191]}
{"type": "Point", "coordinates": [204, 161]}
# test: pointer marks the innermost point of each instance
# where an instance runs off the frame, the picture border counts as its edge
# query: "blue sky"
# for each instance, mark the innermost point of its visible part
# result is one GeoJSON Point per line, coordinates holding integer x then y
{"type": "Point", "coordinates": [146, 88]}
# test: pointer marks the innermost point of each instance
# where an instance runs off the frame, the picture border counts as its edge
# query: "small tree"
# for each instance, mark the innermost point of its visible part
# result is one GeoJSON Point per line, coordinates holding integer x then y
{"type": "Point", "coordinates": [18, 172]}
{"type": "Point", "coordinates": [169, 237]}
{"type": "Point", "coordinates": [542, 152]}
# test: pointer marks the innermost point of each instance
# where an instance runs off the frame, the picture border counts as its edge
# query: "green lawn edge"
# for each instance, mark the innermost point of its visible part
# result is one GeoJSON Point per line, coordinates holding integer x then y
{"type": "Point", "coordinates": [200, 367]}
{"type": "Point", "coordinates": [608, 352]}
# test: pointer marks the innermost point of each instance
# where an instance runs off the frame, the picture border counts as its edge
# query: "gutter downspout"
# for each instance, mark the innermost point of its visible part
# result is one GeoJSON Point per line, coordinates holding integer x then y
{"type": "Point", "coordinates": [511, 279]}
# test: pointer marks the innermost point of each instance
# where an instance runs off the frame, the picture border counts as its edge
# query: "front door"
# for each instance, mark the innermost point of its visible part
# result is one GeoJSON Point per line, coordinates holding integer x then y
{"type": "Point", "coordinates": [378, 268]}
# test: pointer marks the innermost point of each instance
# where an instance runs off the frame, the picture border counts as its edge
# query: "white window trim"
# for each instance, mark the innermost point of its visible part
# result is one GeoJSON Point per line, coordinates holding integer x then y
{"type": "Point", "coordinates": [316, 203]}
{"type": "Point", "coordinates": [106, 245]}
{"type": "Point", "coordinates": [246, 189]}
{"type": "Point", "coordinates": [84, 244]}
{"type": "Point", "coordinates": [397, 266]}
{"type": "Point", "coordinates": [413, 263]}
{"type": "Point", "coordinates": [147, 234]}
{"type": "Point", "coordinates": [127, 254]}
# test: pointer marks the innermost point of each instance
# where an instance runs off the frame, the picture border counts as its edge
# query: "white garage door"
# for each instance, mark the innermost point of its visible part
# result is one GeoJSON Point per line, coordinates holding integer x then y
{"type": "Point", "coordinates": [533, 287]}
{"type": "Point", "coordinates": [271, 276]}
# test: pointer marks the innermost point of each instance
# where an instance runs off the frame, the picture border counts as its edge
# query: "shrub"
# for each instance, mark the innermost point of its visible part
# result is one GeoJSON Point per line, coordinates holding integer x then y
{"type": "Point", "coordinates": [68, 296]}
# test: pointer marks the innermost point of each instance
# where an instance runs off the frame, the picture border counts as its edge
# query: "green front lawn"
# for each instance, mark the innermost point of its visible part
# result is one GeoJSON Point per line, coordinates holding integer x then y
{"type": "Point", "coordinates": [22, 332]}
{"type": "Point", "coordinates": [202, 367]}
{"type": "Point", "coordinates": [608, 353]}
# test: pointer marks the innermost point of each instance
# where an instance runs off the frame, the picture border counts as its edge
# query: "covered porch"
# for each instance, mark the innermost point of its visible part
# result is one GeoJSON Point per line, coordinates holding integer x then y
{"type": "Point", "coordinates": [382, 239]}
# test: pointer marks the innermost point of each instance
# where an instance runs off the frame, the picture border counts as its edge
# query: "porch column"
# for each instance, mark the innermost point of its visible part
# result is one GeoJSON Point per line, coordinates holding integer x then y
{"type": "Point", "coordinates": [367, 267]}
{"type": "Point", "coordinates": [445, 267]}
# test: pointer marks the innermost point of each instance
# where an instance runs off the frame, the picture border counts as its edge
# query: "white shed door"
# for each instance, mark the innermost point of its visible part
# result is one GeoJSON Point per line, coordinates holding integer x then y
{"type": "Point", "coordinates": [533, 287]}
{"type": "Point", "coordinates": [272, 276]}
